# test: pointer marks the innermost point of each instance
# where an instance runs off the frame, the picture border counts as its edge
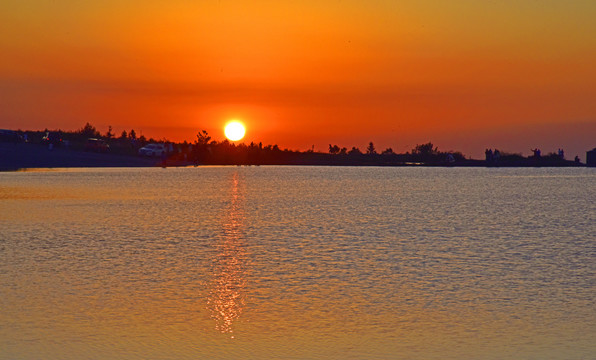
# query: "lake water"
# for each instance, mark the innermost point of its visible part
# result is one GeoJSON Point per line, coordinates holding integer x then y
{"type": "Point", "coordinates": [298, 263]}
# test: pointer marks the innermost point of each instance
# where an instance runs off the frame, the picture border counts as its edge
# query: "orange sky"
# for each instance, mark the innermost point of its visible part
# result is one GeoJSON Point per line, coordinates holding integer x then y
{"type": "Point", "coordinates": [463, 74]}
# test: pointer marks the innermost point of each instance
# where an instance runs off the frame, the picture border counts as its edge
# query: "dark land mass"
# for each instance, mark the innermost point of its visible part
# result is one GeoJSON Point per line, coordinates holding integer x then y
{"type": "Point", "coordinates": [15, 156]}
{"type": "Point", "coordinates": [56, 149]}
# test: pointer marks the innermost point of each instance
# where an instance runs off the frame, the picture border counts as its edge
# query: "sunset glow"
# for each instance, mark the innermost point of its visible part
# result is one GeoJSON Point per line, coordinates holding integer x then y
{"type": "Point", "coordinates": [234, 130]}
{"type": "Point", "coordinates": [465, 75]}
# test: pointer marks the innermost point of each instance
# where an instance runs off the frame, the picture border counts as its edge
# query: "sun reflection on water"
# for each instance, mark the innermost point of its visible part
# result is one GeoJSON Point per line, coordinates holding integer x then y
{"type": "Point", "coordinates": [227, 296]}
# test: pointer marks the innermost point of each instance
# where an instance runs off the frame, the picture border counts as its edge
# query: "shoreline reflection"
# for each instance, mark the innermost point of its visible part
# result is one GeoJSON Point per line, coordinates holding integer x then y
{"type": "Point", "coordinates": [227, 296]}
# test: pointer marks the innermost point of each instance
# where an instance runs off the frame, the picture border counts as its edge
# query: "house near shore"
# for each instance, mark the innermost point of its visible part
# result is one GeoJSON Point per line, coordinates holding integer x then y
{"type": "Point", "coordinates": [591, 157]}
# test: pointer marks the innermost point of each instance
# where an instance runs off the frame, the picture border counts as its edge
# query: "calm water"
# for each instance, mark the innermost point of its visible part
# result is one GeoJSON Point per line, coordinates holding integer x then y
{"type": "Point", "coordinates": [298, 263]}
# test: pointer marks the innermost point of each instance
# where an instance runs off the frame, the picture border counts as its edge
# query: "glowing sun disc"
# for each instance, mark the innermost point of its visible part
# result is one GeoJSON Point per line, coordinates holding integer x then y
{"type": "Point", "coordinates": [234, 130]}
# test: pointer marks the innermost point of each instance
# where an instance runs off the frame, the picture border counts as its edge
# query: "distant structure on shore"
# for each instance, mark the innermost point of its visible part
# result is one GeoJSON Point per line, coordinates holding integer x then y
{"type": "Point", "coordinates": [591, 157]}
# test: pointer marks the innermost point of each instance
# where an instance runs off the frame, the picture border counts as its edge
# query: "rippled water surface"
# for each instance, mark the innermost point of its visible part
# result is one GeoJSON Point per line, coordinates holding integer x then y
{"type": "Point", "coordinates": [298, 263]}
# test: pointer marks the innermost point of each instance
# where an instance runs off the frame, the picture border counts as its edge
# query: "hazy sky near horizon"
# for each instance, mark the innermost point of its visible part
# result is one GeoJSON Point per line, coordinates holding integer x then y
{"type": "Point", "coordinates": [464, 74]}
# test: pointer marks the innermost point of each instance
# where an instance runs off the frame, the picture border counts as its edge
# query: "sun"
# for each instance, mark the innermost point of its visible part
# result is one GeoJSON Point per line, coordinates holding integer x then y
{"type": "Point", "coordinates": [235, 130]}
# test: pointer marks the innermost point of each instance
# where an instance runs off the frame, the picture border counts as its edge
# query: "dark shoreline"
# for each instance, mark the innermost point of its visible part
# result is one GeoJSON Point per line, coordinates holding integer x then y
{"type": "Point", "coordinates": [19, 156]}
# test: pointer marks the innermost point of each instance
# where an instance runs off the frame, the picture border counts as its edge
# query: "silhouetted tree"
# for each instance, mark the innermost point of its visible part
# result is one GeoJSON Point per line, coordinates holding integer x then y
{"type": "Point", "coordinates": [370, 150]}
{"type": "Point", "coordinates": [388, 151]}
{"type": "Point", "coordinates": [424, 149]}
{"type": "Point", "coordinates": [89, 131]}
{"type": "Point", "coordinates": [132, 135]}
{"type": "Point", "coordinates": [109, 134]}
{"type": "Point", "coordinates": [426, 153]}
{"type": "Point", "coordinates": [343, 150]}
{"type": "Point", "coordinates": [202, 150]}
{"type": "Point", "coordinates": [333, 149]}
{"type": "Point", "coordinates": [354, 151]}
{"type": "Point", "coordinates": [203, 138]}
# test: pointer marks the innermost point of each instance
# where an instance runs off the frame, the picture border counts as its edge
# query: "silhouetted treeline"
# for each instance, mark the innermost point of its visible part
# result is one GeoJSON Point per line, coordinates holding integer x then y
{"type": "Point", "coordinates": [205, 151]}
{"type": "Point", "coordinates": [127, 143]}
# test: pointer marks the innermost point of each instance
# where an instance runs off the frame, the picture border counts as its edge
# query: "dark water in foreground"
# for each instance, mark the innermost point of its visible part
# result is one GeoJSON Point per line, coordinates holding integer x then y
{"type": "Point", "coordinates": [298, 263]}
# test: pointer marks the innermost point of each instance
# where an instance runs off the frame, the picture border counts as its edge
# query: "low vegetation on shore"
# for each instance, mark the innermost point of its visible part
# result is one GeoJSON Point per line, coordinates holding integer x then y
{"type": "Point", "coordinates": [206, 151]}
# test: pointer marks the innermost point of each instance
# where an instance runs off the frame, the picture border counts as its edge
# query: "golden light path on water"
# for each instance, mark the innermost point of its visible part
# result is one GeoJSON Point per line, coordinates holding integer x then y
{"type": "Point", "coordinates": [226, 296]}
{"type": "Point", "coordinates": [297, 263]}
